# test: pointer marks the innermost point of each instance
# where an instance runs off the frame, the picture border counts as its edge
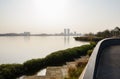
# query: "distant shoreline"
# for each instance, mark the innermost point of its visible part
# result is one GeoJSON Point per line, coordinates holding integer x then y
{"type": "Point", "coordinates": [41, 34]}
{"type": "Point", "coordinates": [37, 35]}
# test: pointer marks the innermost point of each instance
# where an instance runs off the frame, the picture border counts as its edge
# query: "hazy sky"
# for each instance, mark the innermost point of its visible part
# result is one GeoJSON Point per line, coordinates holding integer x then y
{"type": "Point", "coordinates": [51, 16]}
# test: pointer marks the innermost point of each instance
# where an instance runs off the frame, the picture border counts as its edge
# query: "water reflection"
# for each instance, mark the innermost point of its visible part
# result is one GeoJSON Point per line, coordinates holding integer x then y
{"type": "Point", "coordinates": [26, 38]}
{"type": "Point", "coordinates": [42, 73]}
{"type": "Point", "coordinates": [21, 49]}
{"type": "Point", "coordinates": [66, 40]}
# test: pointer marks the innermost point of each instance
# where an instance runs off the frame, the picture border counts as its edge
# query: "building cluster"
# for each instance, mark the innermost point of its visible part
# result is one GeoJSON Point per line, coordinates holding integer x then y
{"type": "Point", "coordinates": [68, 33]}
{"type": "Point", "coordinates": [26, 34]}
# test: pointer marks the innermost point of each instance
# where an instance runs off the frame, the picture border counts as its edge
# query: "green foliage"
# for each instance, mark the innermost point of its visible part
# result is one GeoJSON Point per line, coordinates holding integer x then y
{"type": "Point", "coordinates": [109, 33]}
{"type": "Point", "coordinates": [60, 57]}
{"type": "Point", "coordinates": [104, 34]}
{"type": "Point", "coordinates": [34, 65]}
{"type": "Point", "coordinates": [11, 71]}
{"type": "Point", "coordinates": [93, 43]}
{"type": "Point", "coordinates": [100, 35]}
{"type": "Point", "coordinates": [89, 52]}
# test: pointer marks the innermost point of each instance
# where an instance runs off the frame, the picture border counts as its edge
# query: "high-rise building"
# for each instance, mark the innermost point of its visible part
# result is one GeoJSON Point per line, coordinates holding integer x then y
{"type": "Point", "coordinates": [26, 33]}
{"type": "Point", "coordinates": [66, 32]}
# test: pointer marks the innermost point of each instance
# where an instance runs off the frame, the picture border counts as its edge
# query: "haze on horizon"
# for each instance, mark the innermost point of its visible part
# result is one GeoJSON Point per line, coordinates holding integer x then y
{"type": "Point", "coordinates": [52, 16]}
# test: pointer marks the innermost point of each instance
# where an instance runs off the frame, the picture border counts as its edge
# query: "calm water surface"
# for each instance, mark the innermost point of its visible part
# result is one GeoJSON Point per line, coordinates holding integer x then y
{"type": "Point", "coordinates": [18, 49]}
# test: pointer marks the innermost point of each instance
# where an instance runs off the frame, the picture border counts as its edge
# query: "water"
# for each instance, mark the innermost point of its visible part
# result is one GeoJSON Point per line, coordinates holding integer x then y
{"type": "Point", "coordinates": [18, 49]}
{"type": "Point", "coordinates": [42, 73]}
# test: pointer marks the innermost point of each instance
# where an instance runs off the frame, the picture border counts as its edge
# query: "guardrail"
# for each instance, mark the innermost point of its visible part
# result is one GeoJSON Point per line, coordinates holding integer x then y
{"type": "Point", "coordinates": [91, 69]}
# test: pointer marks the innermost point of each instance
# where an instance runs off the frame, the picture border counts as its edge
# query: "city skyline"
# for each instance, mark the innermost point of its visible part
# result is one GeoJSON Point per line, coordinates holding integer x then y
{"type": "Point", "coordinates": [52, 16]}
{"type": "Point", "coordinates": [66, 32]}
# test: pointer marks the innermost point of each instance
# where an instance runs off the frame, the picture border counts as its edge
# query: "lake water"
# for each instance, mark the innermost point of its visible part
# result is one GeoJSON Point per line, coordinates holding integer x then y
{"type": "Point", "coordinates": [18, 49]}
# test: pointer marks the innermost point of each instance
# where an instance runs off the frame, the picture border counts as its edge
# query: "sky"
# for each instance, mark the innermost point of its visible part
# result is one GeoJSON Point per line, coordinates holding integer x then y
{"type": "Point", "coordinates": [52, 16]}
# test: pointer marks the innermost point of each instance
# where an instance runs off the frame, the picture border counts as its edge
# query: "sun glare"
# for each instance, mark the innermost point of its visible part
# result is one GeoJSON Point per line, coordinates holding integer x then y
{"type": "Point", "coordinates": [51, 9]}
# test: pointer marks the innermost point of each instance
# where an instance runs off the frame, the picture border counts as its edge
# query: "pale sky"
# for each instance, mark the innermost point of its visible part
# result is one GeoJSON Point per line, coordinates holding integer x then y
{"type": "Point", "coordinates": [52, 16]}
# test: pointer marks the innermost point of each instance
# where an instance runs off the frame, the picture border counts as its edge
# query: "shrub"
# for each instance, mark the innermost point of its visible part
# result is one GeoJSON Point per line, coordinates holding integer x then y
{"type": "Point", "coordinates": [75, 73]}
{"type": "Point", "coordinates": [60, 57]}
{"type": "Point", "coordinates": [89, 52]}
{"type": "Point", "coordinates": [11, 71]}
{"type": "Point", "coordinates": [34, 65]}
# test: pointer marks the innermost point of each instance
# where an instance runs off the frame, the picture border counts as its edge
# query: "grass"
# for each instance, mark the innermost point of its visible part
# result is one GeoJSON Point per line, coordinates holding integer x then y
{"type": "Point", "coordinates": [74, 73]}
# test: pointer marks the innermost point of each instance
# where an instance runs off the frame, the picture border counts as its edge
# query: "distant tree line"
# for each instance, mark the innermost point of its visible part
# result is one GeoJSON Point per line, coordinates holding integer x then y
{"type": "Point", "coordinates": [100, 35]}
{"type": "Point", "coordinates": [107, 33]}
{"type": "Point", "coordinates": [12, 71]}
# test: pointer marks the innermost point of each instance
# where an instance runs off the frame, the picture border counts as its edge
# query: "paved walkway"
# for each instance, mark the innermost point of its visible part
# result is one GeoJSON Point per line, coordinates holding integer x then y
{"type": "Point", "coordinates": [109, 65]}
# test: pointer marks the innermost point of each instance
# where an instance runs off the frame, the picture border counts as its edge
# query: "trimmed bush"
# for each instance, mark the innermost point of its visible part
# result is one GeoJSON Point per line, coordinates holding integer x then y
{"type": "Point", "coordinates": [34, 65]}
{"type": "Point", "coordinates": [60, 57]}
{"type": "Point", "coordinates": [11, 71]}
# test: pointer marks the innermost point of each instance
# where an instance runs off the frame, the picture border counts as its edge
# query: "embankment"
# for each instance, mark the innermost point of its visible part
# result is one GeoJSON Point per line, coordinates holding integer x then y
{"type": "Point", "coordinates": [87, 38]}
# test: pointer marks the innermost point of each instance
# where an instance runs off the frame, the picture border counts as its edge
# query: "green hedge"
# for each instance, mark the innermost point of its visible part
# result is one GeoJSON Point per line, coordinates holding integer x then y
{"type": "Point", "coordinates": [60, 57]}
{"type": "Point", "coordinates": [11, 71]}
{"type": "Point", "coordinates": [34, 65]}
